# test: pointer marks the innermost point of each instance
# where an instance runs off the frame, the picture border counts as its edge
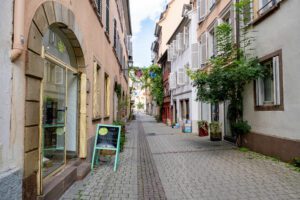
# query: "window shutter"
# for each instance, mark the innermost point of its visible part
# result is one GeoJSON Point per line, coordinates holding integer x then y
{"type": "Point", "coordinates": [277, 100]}
{"type": "Point", "coordinates": [99, 8]}
{"type": "Point", "coordinates": [202, 10]}
{"type": "Point", "coordinates": [95, 91]}
{"type": "Point", "coordinates": [259, 92]}
{"type": "Point", "coordinates": [186, 77]}
{"type": "Point", "coordinates": [180, 76]}
{"type": "Point", "coordinates": [169, 54]}
{"type": "Point", "coordinates": [203, 48]}
{"type": "Point", "coordinates": [198, 10]}
{"type": "Point", "coordinates": [180, 42]}
{"type": "Point", "coordinates": [82, 117]}
{"type": "Point", "coordinates": [107, 16]}
{"type": "Point", "coordinates": [115, 34]}
{"type": "Point", "coordinates": [186, 37]}
{"type": "Point", "coordinates": [174, 49]}
{"type": "Point", "coordinates": [195, 56]}
{"type": "Point", "coordinates": [172, 80]}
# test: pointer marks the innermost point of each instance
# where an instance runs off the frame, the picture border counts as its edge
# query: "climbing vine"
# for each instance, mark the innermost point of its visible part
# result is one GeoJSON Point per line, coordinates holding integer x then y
{"type": "Point", "coordinates": [228, 72]}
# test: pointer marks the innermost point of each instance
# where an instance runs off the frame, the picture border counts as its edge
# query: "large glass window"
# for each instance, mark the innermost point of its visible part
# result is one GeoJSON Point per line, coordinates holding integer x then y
{"type": "Point", "coordinates": [60, 103]}
{"type": "Point", "coordinates": [54, 108]}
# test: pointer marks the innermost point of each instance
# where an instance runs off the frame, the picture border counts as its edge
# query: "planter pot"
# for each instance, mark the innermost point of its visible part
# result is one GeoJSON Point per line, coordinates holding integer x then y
{"type": "Point", "coordinates": [203, 131]}
{"type": "Point", "coordinates": [216, 136]}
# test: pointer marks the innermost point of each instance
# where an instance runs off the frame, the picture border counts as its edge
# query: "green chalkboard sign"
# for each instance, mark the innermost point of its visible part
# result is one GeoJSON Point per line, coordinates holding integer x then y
{"type": "Point", "coordinates": [107, 138]}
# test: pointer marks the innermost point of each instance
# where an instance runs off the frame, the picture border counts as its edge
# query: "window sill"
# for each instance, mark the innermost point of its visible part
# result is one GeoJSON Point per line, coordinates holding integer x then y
{"type": "Point", "coordinates": [269, 108]}
{"type": "Point", "coordinates": [96, 119]}
{"type": "Point", "coordinates": [106, 117]}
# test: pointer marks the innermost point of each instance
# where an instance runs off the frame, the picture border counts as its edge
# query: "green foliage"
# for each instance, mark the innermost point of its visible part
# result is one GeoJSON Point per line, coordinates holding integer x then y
{"type": "Point", "coordinates": [241, 127]}
{"type": "Point", "coordinates": [202, 124]}
{"type": "Point", "coordinates": [244, 149]}
{"type": "Point", "coordinates": [154, 84]}
{"type": "Point", "coordinates": [118, 89]}
{"type": "Point", "coordinates": [140, 105]}
{"type": "Point", "coordinates": [296, 162]}
{"type": "Point", "coordinates": [228, 72]}
{"type": "Point", "coordinates": [214, 127]}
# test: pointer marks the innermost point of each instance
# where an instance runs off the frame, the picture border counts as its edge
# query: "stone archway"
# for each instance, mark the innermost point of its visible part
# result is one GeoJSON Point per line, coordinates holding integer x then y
{"type": "Point", "coordinates": [47, 14]}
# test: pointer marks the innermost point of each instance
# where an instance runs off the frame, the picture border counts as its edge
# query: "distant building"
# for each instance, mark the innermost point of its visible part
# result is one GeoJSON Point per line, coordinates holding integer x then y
{"type": "Point", "coordinates": [165, 27]}
{"type": "Point", "coordinates": [183, 55]}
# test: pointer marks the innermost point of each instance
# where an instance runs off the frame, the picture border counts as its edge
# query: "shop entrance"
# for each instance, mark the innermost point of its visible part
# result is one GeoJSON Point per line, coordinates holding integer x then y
{"type": "Point", "coordinates": [59, 106]}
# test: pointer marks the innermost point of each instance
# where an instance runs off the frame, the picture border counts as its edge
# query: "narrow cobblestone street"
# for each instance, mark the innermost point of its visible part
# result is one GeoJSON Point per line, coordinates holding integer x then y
{"type": "Point", "coordinates": [162, 163]}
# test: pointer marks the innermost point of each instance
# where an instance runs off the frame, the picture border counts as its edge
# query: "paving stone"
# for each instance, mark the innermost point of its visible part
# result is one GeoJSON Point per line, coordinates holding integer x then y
{"type": "Point", "coordinates": [171, 165]}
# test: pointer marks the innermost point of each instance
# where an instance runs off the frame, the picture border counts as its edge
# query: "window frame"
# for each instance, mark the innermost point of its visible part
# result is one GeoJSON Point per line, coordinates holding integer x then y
{"type": "Point", "coordinates": [271, 107]}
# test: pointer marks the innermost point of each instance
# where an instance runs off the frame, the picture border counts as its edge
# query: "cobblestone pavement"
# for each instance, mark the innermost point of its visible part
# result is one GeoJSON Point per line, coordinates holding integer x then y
{"type": "Point", "coordinates": [107, 184]}
{"type": "Point", "coordinates": [195, 168]}
{"type": "Point", "coordinates": [162, 163]}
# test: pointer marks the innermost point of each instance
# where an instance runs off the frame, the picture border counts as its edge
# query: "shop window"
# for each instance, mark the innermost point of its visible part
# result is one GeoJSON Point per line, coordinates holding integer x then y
{"type": "Point", "coordinates": [107, 95]}
{"type": "Point", "coordinates": [97, 91]}
{"type": "Point", "coordinates": [268, 89]}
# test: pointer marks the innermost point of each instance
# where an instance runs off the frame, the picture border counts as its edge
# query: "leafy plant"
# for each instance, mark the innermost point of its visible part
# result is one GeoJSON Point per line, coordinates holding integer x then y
{"type": "Point", "coordinates": [214, 127]}
{"type": "Point", "coordinates": [118, 89]}
{"type": "Point", "coordinates": [140, 105]}
{"type": "Point", "coordinates": [229, 71]}
{"type": "Point", "coordinates": [241, 127]}
{"type": "Point", "coordinates": [296, 162]}
{"type": "Point", "coordinates": [203, 124]}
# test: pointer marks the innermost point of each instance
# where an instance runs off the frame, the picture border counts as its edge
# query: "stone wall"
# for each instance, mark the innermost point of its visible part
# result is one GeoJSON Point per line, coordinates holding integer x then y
{"type": "Point", "coordinates": [11, 184]}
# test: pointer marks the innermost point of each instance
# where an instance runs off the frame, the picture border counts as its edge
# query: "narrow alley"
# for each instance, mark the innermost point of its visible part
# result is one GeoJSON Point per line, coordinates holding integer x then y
{"type": "Point", "coordinates": [162, 163]}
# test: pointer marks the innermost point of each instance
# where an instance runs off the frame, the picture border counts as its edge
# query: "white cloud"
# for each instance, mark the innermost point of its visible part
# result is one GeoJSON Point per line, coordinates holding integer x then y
{"type": "Point", "coordinates": [145, 9]}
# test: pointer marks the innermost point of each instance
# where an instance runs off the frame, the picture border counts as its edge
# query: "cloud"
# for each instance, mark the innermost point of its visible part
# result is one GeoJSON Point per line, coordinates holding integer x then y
{"type": "Point", "coordinates": [145, 9]}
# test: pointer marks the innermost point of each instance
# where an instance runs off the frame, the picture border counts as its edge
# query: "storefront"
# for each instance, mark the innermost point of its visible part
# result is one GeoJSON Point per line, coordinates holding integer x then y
{"type": "Point", "coordinates": [60, 103]}
{"type": "Point", "coordinates": [55, 103]}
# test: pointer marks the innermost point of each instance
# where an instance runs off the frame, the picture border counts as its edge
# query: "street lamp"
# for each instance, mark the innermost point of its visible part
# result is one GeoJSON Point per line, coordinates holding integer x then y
{"type": "Point", "coordinates": [130, 63]}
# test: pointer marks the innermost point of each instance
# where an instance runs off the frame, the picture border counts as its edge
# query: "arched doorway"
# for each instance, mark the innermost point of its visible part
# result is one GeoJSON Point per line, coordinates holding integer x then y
{"type": "Point", "coordinates": [55, 102]}
{"type": "Point", "coordinates": [59, 102]}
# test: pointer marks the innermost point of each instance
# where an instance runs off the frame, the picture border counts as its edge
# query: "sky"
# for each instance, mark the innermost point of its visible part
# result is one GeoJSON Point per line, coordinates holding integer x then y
{"type": "Point", "coordinates": [144, 15]}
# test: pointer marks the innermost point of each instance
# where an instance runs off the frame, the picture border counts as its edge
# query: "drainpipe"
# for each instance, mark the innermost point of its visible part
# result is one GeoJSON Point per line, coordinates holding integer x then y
{"type": "Point", "coordinates": [18, 36]}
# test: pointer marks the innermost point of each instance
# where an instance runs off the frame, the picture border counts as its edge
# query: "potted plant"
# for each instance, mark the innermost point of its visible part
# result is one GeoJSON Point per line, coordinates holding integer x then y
{"type": "Point", "coordinates": [215, 131]}
{"type": "Point", "coordinates": [173, 124]}
{"type": "Point", "coordinates": [202, 128]}
{"type": "Point", "coordinates": [240, 128]}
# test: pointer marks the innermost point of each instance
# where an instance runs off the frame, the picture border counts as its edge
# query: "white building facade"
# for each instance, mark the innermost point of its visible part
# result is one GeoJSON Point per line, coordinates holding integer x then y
{"type": "Point", "coordinates": [183, 55]}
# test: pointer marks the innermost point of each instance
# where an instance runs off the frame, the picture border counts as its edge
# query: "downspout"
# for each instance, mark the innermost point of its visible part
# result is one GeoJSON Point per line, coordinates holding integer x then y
{"type": "Point", "coordinates": [18, 36]}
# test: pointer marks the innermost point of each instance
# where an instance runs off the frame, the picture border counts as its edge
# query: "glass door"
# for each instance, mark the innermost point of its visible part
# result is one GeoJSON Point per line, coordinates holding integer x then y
{"type": "Point", "coordinates": [54, 117]}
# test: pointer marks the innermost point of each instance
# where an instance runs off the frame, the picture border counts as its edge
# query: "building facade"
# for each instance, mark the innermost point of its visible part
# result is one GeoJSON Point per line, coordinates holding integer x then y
{"type": "Point", "coordinates": [183, 54]}
{"type": "Point", "coordinates": [64, 69]}
{"type": "Point", "coordinates": [271, 104]}
{"type": "Point", "coordinates": [165, 27]}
